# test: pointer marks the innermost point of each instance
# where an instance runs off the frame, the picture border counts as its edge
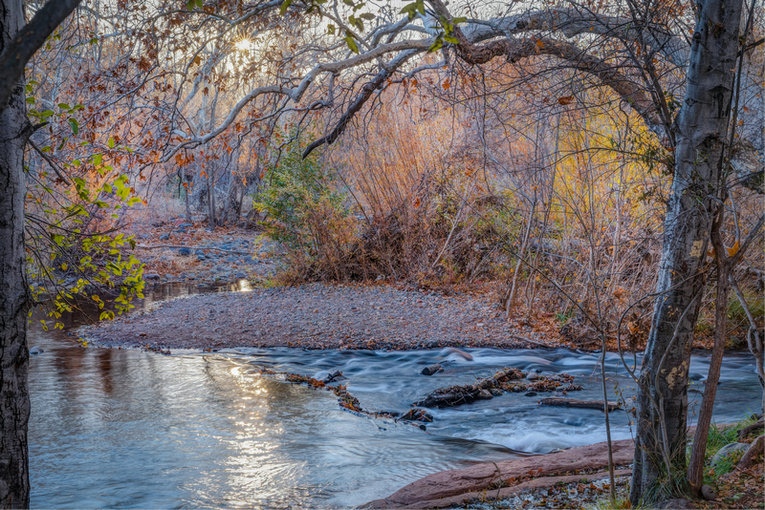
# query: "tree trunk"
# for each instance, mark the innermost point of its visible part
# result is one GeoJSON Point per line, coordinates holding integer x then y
{"type": "Point", "coordinates": [698, 452]}
{"type": "Point", "coordinates": [14, 356]}
{"type": "Point", "coordinates": [701, 130]}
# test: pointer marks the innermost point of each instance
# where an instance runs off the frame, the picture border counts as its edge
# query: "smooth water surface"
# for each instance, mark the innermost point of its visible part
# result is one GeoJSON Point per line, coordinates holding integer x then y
{"type": "Point", "coordinates": [125, 428]}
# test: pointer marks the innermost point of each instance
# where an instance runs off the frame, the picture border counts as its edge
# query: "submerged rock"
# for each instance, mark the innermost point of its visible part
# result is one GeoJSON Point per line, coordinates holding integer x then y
{"type": "Point", "coordinates": [416, 414]}
{"type": "Point", "coordinates": [484, 395]}
{"type": "Point", "coordinates": [458, 395]}
{"type": "Point", "coordinates": [432, 369]}
{"type": "Point", "coordinates": [332, 376]}
{"type": "Point", "coordinates": [582, 404]}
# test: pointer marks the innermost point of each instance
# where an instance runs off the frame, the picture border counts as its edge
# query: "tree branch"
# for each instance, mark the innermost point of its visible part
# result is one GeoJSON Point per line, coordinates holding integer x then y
{"type": "Point", "coordinates": [29, 39]}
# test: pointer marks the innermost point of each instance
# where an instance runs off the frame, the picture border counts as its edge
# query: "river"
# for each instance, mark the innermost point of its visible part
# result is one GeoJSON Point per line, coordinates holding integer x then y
{"type": "Point", "coordinates": [134, 429]}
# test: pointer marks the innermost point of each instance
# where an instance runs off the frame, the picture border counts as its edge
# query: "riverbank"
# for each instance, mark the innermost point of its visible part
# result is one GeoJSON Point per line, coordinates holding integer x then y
{"type": "Point", "coordinates": [318, 316]}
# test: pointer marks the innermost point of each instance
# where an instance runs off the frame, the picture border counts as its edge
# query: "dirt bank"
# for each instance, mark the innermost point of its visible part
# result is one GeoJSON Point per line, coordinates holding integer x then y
{"type": "Point", "coordinates": [320, 317]}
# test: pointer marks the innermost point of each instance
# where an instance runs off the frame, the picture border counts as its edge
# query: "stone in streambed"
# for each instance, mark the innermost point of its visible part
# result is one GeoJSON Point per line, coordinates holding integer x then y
{"type": "Point", "coordinates": [416, 414]}
{"type": "Point", "coordinates": [432, 369]}
{"type": "Point", "coordinates": [332, 376]}
{"type": "Point", "coordinates": [484, 395]}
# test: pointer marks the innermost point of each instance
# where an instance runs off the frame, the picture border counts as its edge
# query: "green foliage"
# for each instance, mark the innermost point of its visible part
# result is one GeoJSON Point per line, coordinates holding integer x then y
{"type": "Point", "coordinates": [564, 316]}
{"type": "Point", "coordinates": [718, 437]}
{"type": "Point", "coordinates": [306, 213]}
{"type": "Point", "coordinates": [756, 303]}
{"type": "Point", "coordinates": [74, 252]}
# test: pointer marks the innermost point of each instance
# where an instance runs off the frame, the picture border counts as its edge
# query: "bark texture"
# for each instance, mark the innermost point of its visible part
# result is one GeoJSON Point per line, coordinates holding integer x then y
{"type": "Point", "coordinates": [14, 394]}
{"type": "Point", "coordinates": [700, 131]}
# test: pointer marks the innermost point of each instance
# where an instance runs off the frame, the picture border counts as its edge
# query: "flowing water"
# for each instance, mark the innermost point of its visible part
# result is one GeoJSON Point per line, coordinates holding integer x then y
{"type": "Point", "coordinates": [126, 428]}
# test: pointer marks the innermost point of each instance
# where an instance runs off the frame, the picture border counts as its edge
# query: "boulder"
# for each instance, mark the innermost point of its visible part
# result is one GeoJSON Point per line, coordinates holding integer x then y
{"type": "Point", "coordinates": [729, 450]}
{"type": "Point", "coordinates": [184, 252]}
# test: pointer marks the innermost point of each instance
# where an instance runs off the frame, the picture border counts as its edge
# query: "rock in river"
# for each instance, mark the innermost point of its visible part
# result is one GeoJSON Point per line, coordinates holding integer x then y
{"type": "Point", "coordinates": [432, 369]}
{"type": "Point", "coordinates": [416, 414]}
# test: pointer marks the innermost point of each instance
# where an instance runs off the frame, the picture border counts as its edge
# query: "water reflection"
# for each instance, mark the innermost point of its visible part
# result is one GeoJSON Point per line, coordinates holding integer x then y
{"type": "Point", "coordinates": [134, 429]}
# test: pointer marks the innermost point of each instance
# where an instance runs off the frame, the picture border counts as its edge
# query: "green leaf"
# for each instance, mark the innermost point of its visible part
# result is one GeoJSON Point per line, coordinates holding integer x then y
{"type": "Point", "coordinates": [111, 142]}
{"type": "Point", "coordinates": [410, 10]}
{"type": "Point", "coordinates": [437, 44]}
{"type": "Point", "coordinates": [75, 125]}
{"type": "Point", "coordinates": [331, 29]}
{"type": "Point", "coordinates": [285, 5]}
{"type": "Point", "coordinates": [63, 106]}
{"type": "Point", "coordinates": [351, 42]}
{"type": "Point", "coordinates": [367, 16]}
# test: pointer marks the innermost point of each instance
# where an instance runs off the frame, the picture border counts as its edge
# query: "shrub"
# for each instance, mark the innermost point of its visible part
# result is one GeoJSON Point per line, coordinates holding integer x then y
{"type": "Point", "coordinates": [308, 216]}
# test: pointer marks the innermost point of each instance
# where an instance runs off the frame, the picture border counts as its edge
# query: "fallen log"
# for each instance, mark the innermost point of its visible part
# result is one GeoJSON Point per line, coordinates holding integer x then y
{"type": "Point", "coordinates": [754, 451]}
{"type": "Point", "coordinates": [500, 479]}
{"type": "Point", "coordinates": [583, 404]}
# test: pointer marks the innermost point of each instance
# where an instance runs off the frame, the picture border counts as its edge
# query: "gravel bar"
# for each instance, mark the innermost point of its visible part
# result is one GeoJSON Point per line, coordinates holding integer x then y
{"type": "Point", "coordinates": [318, 316]}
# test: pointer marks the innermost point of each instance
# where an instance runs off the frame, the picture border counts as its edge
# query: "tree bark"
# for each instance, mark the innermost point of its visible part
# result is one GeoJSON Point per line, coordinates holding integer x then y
{"type": "Point", "coordinates": [700, 130]}
{"type": "Point", "coordinates": [14, 393]}
{"type": "Point", "coordinates": [698, 452]}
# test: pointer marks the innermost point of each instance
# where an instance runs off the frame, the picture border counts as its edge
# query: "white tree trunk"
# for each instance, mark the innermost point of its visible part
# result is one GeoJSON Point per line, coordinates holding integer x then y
{"type": "Point", "coordinates": [701, 131]}
{"type": "Point", "coordinates": [14, 394]}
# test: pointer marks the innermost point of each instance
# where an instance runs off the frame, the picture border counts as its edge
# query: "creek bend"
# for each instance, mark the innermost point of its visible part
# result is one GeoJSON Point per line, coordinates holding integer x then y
{"type": "Point", "coordinates": [128, 428]}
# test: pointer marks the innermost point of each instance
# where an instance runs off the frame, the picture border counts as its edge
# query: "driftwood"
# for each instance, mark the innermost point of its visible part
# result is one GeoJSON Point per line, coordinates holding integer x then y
{"type": "Point", "coordinates": [755, 450]}
{"type": "Point", "coordinates": [751, 429]}
{"type": "Point", "coordinates": [572, 402]}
